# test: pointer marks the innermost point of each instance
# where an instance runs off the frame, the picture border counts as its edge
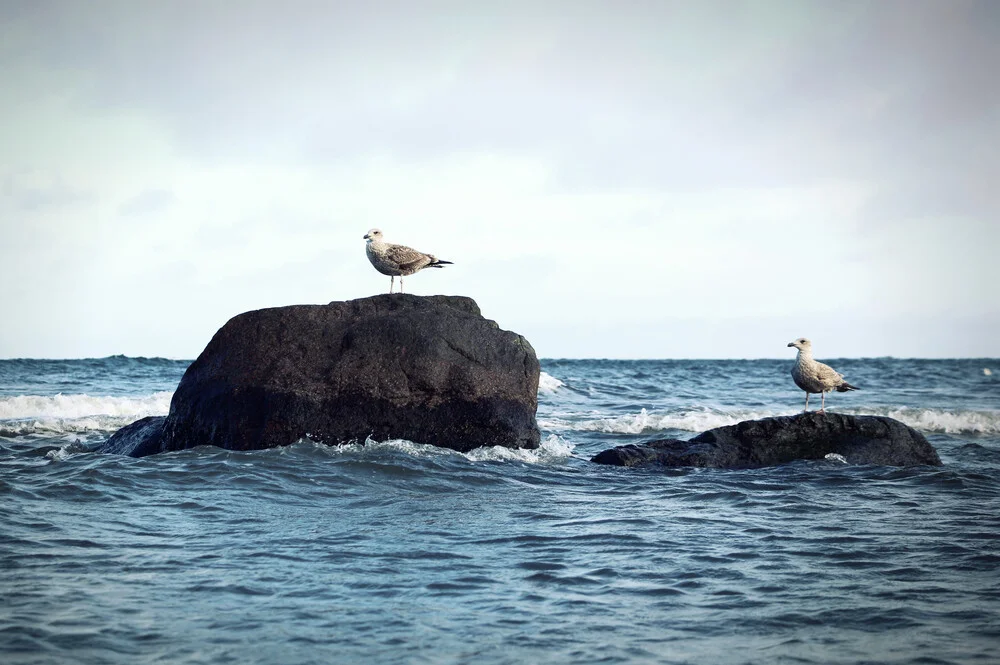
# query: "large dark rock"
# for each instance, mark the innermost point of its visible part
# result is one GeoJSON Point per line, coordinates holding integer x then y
{"type": "Point", "coordinates": [756, 443]}
{"type": "Point", "coordinates": [427, 369]}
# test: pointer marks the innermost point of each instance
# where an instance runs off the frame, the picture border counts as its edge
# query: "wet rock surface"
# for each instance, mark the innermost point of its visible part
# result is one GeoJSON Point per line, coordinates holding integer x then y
{"type": "Point", "coordinates": [427, 369]}
{"type": "Point", "coordinates": [770, 441]}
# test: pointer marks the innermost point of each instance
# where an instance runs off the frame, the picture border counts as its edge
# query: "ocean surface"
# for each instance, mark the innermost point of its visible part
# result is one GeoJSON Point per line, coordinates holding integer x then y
{"type": "Point", "coordinates": [394, 552]}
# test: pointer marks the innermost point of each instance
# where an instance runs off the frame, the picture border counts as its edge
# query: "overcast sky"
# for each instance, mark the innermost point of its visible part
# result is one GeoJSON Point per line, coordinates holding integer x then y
{"type": "Point", "coordinates": [619, 179]}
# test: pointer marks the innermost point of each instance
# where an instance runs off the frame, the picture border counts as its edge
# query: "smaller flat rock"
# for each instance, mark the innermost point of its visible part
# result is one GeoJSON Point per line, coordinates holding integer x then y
{"type": "Point", "coordinates": [770, 441]}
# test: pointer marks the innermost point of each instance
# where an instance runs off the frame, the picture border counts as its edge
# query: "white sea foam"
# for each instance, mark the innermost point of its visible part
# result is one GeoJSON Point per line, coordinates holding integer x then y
{"type": "Point", "coordinates": [552, 449]}
{"type": "Point", "coordinates": [548, 384]}
{"type": "Point", "coordinates": [637, 423]}
{"type": "Point", "coordinates": [68, 451]}
{"type": "Point", "coordinates": [29, 414]}
{"type": "Point", "coordinates": [949, 421]}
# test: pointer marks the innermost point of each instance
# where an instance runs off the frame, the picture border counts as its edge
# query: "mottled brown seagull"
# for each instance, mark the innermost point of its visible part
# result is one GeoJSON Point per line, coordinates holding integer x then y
{"type": "Point", "coordinates": [397, 260]}
{"type": "Point", "coordinates": [815, 377]}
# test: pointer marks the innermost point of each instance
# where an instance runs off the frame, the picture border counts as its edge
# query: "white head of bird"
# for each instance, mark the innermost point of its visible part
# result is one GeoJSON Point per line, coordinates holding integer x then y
{"type": "Point", "coordinates": [374, 235]}
{"type": "Point", "coordinates": [803, 345]}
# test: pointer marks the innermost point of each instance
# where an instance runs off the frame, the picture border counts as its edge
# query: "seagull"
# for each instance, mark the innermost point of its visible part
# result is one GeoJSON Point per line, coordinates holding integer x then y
{"type": "Point", "coordinates": [397, 260]}
{"type": "Point", "coordinates": [815, 377]}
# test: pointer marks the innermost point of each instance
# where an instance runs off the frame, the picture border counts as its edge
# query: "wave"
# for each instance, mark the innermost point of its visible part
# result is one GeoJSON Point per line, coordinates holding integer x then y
{"type": "Point", "coordinates": [946, 421]}
{"type": "Point", "coordinates": [548, 384]}
{"type": "Point", "coordinates": [33, 414]}
{"type": "Point", "coordinates": [552, 449]}
{"type": "Point", "coordinates": [646, 422]}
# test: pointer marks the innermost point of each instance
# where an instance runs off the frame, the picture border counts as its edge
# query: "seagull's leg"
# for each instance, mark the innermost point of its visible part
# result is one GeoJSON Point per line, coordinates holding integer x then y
{"type": "Point", "coordinates": [807, 404]}
{"type": "Point", "coordinates": [822, 407]}
{"type": "Point", "coordinates": [400, 283]}
{"type": "Point", "coordinates": [392, 281]}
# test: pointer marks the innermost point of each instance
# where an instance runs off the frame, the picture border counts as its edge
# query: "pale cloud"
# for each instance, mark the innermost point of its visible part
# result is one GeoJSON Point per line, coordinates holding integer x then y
{"type": "Point", "coordinates": [147, 202]}
{"type": "Point", "coordinates": [609, 180]}
{"type": "Point", "coordinates": [30, 190]}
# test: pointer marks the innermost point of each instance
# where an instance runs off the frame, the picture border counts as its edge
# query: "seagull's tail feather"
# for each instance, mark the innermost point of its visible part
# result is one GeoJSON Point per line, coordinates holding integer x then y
{"type": "Point", "coordinates": [845, 386]}
{"type": "Point", "coordinates": [438, 263]}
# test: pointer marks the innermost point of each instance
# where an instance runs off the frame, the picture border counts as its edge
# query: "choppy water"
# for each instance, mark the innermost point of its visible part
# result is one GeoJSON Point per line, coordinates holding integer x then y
{"type": "Point", "coordinates": [400, 553]}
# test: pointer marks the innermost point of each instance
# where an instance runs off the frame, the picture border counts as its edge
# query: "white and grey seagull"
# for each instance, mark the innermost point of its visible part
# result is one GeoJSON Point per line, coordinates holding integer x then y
{"type": "Point", "coordinates": [815, 377]}
{"type": "Point", "coordinates": [397, 260]}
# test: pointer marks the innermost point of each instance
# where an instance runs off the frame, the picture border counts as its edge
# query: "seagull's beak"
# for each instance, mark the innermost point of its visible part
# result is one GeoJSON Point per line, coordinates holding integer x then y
{"type": "Point", "coordinates": [791, 344]}
{"type": "Point", "coordinates": [366, 238]}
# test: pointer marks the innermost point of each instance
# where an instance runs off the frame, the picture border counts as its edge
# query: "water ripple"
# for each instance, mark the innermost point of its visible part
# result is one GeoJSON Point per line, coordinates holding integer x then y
{"type": "Point", "coordinates": [396, 553]}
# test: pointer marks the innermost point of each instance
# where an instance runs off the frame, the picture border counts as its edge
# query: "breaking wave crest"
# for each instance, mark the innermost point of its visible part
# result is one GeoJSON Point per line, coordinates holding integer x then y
{"type": "Point", "coordinates": [548, 384]}
{"type": "Point", "coordinates": [644, 421]}
{"type": "Point", "coordinates": [32, 414]}
{"type": "Point", "coordinates": [947, 421]}
{"type": "Point", "coordinates": [552, 449]}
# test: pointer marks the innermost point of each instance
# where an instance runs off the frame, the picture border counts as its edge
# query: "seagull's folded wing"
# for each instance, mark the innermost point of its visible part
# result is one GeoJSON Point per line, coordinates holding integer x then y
{"type": "Point", "coordinates": [828, 375]}
{"type": "Point", "coordinates": [407, 258]}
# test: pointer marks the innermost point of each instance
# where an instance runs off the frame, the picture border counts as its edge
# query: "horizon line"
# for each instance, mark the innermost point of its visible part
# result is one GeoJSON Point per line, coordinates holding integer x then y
{"type": "Point", "coordinates": [550, 358]}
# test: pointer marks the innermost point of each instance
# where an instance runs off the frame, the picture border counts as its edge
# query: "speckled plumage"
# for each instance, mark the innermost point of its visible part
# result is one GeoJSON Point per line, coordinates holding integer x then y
{"type": "Point", "coordinates": [397, 260]}
{"type": "Point", "coordinates": [813, 376]}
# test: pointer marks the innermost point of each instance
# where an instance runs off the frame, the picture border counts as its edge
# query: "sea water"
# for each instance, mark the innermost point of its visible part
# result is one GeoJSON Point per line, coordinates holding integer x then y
{"type": "Point", "coordinates": [395, 552]}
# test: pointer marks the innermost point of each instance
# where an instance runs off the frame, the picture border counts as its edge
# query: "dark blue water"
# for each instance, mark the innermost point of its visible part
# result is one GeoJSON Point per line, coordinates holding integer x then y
{"type": "Point", "coordinates": [400, 553]}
